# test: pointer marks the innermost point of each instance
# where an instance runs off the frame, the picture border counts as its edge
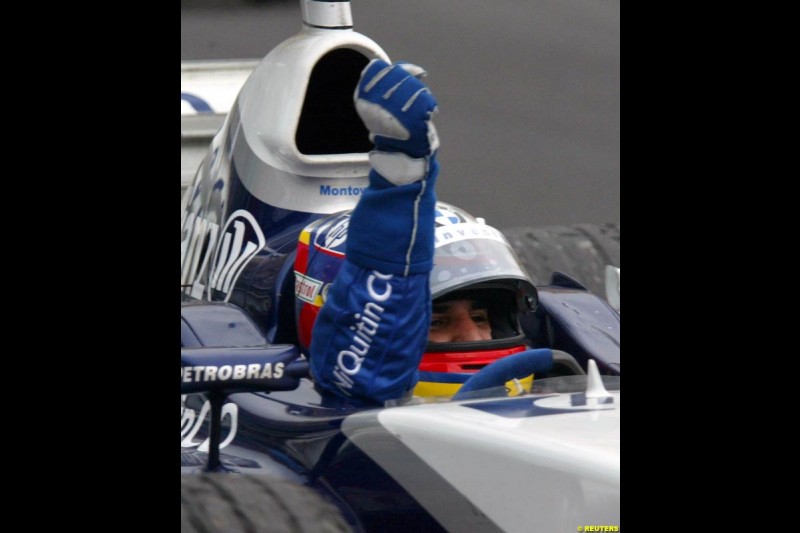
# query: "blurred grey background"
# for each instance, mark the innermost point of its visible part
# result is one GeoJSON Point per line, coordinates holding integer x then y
{"type": "Point", "coordinates": [528, 90]}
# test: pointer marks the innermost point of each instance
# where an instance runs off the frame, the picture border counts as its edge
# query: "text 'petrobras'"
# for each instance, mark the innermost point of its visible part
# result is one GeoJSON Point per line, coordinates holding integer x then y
{"type": "Point", "coordinates": [198, 374]}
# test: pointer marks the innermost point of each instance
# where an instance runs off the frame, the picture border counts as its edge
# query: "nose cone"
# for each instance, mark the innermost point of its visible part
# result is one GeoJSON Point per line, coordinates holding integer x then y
{"type": "Point", "coordinates": [333, 15]}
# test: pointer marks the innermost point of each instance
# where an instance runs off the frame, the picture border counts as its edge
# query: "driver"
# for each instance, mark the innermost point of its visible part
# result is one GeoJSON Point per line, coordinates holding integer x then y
{"type": "Point", "coordinates": [417, 293]}
{"type": "Point", "coordinates": [459, 320]}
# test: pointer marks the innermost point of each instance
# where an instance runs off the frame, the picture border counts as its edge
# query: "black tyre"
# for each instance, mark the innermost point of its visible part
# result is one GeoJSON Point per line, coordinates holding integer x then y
{"type": "Point", "coordinates": [234, 503]}
{"type": "Point", "coordinates": [581, 251]}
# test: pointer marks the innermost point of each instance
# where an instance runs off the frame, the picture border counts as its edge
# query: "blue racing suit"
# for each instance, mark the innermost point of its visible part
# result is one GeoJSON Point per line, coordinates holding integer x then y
{"type": "Point", "coordinates": [371, 332]}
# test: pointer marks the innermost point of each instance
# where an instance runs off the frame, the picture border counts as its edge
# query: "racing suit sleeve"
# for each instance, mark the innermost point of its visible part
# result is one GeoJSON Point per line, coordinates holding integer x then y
{"type": "Point", "coordinates": [371, 332]}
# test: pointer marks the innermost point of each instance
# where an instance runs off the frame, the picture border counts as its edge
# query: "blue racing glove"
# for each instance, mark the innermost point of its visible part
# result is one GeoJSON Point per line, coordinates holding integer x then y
{"type": "Point", "coordinates": [397, 109]}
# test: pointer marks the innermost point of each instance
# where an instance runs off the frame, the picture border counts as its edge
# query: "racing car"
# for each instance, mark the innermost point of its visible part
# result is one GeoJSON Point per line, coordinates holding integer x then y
{"type": "Point", "coordinates": [260, 446]}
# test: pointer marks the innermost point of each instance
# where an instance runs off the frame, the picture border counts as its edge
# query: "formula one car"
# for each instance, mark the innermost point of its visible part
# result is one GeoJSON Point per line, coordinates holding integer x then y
{"type": "Point", "coordinates": [261, 448]}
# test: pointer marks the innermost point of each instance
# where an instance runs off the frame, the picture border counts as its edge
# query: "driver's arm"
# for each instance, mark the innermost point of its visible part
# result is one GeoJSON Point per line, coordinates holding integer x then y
{"type": "Point", "coordinates": [371, 332]}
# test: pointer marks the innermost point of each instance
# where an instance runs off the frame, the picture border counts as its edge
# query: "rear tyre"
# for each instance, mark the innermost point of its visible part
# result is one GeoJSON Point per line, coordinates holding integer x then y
{"type": "Point", "coordinates": [234, 503]}
{"type": "Point", "coordinates": [580, 251]}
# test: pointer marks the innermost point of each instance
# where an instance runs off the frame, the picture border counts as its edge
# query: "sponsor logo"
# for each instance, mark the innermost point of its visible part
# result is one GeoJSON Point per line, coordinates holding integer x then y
{"type": "Point", "coordinates": [445, 217]}
{"type": "Point", "coordinates": [198, 238]}
{"type": "Point", "coordinates": [459, 232]}
{"type": "Point", "coordinates": [242, 239]}
{"type": "Point", "coordinates": [234, 246]}
{"type": "Point", "coordinates": [327, 190]}
{"type": "Point", "coordinates": [196, 103]}
{"type": "Point", "coordinates": [332, 234]}
{"type": "Point", "coordinates": [192, 421]}
{"type": "Point", "coordinates": [305, 288]}
{"type": "Point", "coordinates": [198, 374]}
{"type": "Point", "coordinates": [348, 362]}
{"type": "Point", "coordinates": [337, 234]}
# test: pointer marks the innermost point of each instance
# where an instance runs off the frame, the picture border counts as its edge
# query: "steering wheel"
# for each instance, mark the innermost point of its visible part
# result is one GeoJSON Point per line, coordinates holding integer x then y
{"type": "Point", "coordinates": [511, 367]}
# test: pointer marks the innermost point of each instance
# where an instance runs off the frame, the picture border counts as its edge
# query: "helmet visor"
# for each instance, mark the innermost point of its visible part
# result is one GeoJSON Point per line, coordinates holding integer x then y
{"type": "Point", "coordinates": [470, 253]}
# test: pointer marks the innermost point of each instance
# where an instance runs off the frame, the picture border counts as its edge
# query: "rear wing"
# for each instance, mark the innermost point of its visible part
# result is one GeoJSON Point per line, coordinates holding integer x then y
{"type": "Point", "coordinates": [208, 91]}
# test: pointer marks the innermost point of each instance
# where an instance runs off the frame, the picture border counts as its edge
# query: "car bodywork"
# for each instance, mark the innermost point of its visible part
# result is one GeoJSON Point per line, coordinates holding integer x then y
{"type": "Point", "coordinates": [287, 149]}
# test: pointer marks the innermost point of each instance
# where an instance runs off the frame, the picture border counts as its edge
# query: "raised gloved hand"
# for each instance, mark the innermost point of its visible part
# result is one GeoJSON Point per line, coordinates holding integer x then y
{"type": "Point", "coordinates": [397, 109]}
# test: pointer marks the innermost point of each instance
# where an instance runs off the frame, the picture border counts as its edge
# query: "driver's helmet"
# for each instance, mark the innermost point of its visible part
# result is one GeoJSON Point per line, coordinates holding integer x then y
{"type": "Point", "coordinates": [471, 260]}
